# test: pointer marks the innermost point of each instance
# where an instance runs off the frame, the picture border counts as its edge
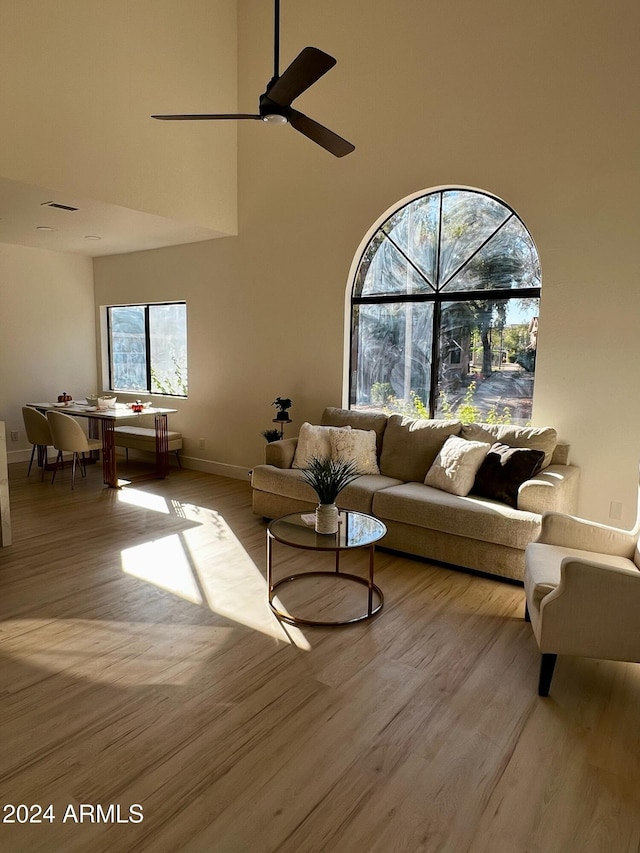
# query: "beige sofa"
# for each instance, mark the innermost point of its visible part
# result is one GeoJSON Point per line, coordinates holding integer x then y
{"type": "Point", "coordinates": [469, 531]}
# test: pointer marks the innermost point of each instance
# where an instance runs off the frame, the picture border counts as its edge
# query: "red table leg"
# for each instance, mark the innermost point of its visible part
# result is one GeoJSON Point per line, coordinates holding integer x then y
{"type": "Point", "coordinates": [162, 446]}
{"type": "Point", "coordinates": [109, 474]}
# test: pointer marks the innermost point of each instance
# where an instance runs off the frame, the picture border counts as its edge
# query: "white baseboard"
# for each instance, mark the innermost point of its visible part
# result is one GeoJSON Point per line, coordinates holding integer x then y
{"type": "Point", "coordinates": [236, 472]}
{"type": "Point", "coordinates": [222, 469]}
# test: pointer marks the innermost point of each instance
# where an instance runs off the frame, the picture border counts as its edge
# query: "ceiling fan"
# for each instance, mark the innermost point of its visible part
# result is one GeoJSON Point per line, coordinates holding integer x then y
{"type": "Point", "coordinates": [275, 103]}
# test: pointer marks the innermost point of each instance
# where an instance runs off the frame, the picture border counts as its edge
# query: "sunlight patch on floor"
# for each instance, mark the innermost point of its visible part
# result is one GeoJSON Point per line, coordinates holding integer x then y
{"type": "Point", "coordinates": [145, 500]}
{"type": "Point", "coordinates": [230, 581]}
{"type": "Point", "coordinates": [163, 563]}
{"type": "Point", "coordinates": [206, 565]}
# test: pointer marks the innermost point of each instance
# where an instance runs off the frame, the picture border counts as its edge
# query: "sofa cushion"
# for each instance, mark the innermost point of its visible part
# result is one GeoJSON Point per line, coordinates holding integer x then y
{"type": "Point", "coordinates": [312, 441]}
{"type": "Point", "coordinates": [470, 516]}
{"type": "Point", "coordinates": [377, 421]}
{"type": "Point", "coordinates": [536, 438]}
{"type": "Point", "coordinates": [454, 468]}
{"type": "Point", "coordinates": [359, 494]}
{"type": "Point", "coordinates": [411, 445]}
{"type": "Point", "coordinates": [355, 445]}
{"type": "Point", "coordinates": [288, 482]}
{"type": "Point", "coordinates": [504, 470]}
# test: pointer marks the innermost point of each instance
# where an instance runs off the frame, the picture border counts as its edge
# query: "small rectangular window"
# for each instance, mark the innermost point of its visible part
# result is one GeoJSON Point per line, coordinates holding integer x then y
{"type": "Point", "coordinates": [148, 348]}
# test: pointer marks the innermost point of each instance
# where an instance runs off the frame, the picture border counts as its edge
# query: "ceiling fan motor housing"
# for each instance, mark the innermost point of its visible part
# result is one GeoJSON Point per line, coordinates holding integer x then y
{"type": "Point", "coordinates": [271, 112]}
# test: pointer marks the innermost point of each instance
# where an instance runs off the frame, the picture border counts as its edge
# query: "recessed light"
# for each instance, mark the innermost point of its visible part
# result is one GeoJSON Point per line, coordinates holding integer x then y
{"type": "Point", "coordinates": [92, 237]}
{"type": "Point", "coordinates": [43, 228]}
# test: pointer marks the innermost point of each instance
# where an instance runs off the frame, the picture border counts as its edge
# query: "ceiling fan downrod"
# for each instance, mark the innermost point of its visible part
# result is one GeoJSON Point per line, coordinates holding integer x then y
{"type": "Point", "coordinates": [276, 41]}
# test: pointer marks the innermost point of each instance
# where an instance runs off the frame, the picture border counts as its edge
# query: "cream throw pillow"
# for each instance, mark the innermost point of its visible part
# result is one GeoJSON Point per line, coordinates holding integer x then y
{"type": "Point", "coordinates": [313, 441]}
{"type": "Point", "coordinates": [356, 445]}
{"type": "Point", "coordinates": [455, 467]}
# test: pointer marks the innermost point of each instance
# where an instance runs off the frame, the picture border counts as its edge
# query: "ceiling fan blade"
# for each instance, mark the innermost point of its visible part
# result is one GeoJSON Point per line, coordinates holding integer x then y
{"type": "Point", "coordinates": [308, 66]}
{"type": "Point", "coordinates": [207, 117]}
{"type": "Point", "coordinates": [329, 140]}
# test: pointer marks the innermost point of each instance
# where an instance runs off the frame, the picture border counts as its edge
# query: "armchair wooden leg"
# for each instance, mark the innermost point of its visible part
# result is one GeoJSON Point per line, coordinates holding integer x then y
{"type": "Point", "coordinates": [547, 666]}
{"type": "Point", "coordinates": [527, 617]}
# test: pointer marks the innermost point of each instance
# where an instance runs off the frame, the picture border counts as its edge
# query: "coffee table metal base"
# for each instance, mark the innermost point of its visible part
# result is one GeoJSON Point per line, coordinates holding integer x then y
{"type": "Point", "coordinates": [355, 530]}
{"type": "Point", "coordinates": [297, 620]}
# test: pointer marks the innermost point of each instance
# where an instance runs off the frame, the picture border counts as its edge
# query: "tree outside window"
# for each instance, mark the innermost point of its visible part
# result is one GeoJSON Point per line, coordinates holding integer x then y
{"type": "Point", "coordinates": [445, 306]}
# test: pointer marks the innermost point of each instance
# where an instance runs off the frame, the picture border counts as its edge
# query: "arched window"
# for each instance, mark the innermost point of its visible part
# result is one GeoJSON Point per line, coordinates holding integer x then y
{"type": "Point", "coordinates": [444, 311]}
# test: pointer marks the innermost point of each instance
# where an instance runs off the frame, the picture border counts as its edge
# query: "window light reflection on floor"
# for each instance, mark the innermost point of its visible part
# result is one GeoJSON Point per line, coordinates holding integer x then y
{"type": "Point", "coordinates": [207, 565]}
{"type": "Point", "coordinates": [163, 563]}
{"type": "Point", "coordinates": [145, 500]}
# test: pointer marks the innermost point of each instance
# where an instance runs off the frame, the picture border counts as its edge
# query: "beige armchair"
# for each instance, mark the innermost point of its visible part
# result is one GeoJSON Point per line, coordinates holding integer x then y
{"type": "Point", "coordinates": [582, 587]}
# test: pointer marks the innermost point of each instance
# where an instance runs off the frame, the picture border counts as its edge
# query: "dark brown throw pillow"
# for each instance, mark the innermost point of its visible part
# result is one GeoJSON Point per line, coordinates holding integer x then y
{"type": "Point", "coordinates": [503, 471]}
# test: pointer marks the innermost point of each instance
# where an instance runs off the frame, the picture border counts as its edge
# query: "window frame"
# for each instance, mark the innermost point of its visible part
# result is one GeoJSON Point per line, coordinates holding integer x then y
{"type": "Point", "coordinates": [109, 343]}
{"type": "Point", "coordinates": [438, 295]}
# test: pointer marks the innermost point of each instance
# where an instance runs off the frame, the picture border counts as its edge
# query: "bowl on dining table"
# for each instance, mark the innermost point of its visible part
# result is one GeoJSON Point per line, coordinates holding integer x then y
{"type": "Point", "coordinates": [92, 400]}
{"type": "Point", "coordinates": [106, 403]}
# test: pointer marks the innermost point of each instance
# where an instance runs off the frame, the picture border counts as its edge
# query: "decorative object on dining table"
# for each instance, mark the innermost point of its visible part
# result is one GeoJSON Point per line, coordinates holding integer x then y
{"type": "Point", "coordinates": [64, 397]}
{"type": "Point", "coordinates": [138, 406]}
{"type": "Point", "coordinates": [106, 403]}
{"type": "Point", "coordinates": [92, 399]}
{"type": "Point", "coordinates": [328, 477]}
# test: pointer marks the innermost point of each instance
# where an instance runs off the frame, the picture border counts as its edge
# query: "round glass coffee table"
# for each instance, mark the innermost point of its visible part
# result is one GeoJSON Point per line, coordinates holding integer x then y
{"type": "Point", "coordinates": [356, 530]}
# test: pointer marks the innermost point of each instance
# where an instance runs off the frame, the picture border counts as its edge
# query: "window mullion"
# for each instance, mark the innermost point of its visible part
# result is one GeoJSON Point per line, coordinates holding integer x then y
{"type": "Point", "coordinates": [147, 343]}
{"type": "Point", "coordinates": [454, 296]}
{"type": "Point", "coordinates": [435, 358]}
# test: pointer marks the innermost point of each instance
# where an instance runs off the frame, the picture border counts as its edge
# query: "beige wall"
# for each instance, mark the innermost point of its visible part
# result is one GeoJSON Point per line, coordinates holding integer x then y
{"type": "Point", "coordinates": [47, 332]}
{"type": "Point", "coordinates": [535, 102]}
{"type": "Point", "coordinates": [80, 81]}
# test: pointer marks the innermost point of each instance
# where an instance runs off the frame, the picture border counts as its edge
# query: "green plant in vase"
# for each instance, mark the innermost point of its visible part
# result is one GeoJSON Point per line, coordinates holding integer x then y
{"type": "Point", "coordinates": [328, 477]}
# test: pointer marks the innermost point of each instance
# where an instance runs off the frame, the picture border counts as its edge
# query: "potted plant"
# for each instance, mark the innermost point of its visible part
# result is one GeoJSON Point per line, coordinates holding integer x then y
{"type": "Point", "coordinates": [271, 434]}
{"type": "Point", "coordinates": [282, 404]}
{"type": "Point", "coordinates": [328, 477]}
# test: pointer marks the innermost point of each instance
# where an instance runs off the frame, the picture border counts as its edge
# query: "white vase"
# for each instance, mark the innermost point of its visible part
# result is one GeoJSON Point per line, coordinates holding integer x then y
{"type": "Point", "coordinates": [327, 518]}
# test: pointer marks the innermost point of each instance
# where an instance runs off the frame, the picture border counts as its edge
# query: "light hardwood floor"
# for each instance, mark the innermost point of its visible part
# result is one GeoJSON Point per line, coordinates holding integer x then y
{"type": "Point", "coordinates": [141, 665]}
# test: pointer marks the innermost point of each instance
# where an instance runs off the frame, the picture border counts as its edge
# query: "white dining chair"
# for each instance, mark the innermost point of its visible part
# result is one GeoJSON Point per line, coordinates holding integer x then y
{"type": "Point", "coordinates": [38, 433]}
{"type": "Point", "coordinates": [69, 437]}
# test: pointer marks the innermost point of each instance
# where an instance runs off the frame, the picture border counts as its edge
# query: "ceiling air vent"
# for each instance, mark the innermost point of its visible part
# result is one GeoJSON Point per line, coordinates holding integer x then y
{"type": "Point", "coordinates": [58, 206]}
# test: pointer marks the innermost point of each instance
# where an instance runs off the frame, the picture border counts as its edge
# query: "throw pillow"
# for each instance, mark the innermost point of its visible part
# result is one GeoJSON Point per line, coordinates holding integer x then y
{"type": "Point", "coordinates": [356, 420]}
{"type": "Point", "coordinates": [410, 446]}
{"type": "Point", "coordinates": [504, 470]}
{"type": "Point", "coordinates": [313, 441]}
{"type": "Point", "coordinates": [455, 467]}
{"type": "Point", "coordinates": [356, 445]}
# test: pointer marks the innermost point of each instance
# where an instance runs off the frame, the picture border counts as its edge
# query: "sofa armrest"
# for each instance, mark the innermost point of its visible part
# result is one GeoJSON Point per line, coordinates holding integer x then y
{"type": "Point", "coordinates": [593, 612]}
{"type": "Point", "coordinates": [554, 489]}
{"type": "Point", "coordinates": [280, 453]}
{"type": "Point", "coordinates": [567, 531]}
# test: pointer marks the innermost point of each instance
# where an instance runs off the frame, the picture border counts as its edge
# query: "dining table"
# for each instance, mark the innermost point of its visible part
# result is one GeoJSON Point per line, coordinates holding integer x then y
{"type": "Point", "coordinates": [103, 421]}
